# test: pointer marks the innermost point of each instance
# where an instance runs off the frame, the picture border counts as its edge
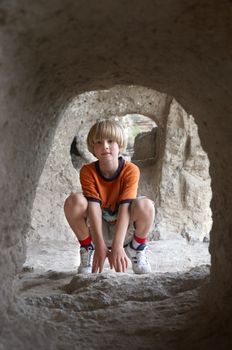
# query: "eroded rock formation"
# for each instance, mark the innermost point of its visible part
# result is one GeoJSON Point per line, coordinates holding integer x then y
{"type": "Point", "coordinates": [185, 191]}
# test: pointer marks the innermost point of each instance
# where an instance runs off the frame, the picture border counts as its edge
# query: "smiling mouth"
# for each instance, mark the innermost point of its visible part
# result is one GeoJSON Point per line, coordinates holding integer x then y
{"type": "Point", "coordinates": [105, 154]}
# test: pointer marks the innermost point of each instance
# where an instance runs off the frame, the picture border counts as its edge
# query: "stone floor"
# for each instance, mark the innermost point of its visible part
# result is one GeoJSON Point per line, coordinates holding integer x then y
{"type": "Point", "coordinates": [175, 255]}
{"type": "Point", "coordinates": [114, 310]}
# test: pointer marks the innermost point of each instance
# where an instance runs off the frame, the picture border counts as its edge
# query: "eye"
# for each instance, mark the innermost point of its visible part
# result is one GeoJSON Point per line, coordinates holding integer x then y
{"type": "Point", "coordinates": [110, 141]}
{"type": "Point", "coordinates": [98, 142]}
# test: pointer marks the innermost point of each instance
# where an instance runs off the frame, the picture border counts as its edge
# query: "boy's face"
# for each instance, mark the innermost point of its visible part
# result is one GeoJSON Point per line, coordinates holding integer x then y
{"type": "Point", "coordinates": [106, 149]}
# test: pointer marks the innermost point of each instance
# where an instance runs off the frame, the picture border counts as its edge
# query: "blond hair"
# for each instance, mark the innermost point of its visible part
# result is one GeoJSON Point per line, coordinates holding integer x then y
{"type": "Point", "coordinates": [106, 130]}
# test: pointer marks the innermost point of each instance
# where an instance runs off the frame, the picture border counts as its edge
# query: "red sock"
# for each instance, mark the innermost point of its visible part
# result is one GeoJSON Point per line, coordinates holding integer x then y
{"type": "Point", "coordinates": [86, 241]}
{"type": "Point", "coordinates": [140, 240]}
{"type": "Point", "coordinates": [137, 241]}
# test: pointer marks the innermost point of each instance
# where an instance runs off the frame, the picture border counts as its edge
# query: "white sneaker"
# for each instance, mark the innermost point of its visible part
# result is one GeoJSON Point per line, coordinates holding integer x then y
{"type": "Point", "coordinates": [138, 257]}
{"type": "Point", "coordinates": [86, 256]}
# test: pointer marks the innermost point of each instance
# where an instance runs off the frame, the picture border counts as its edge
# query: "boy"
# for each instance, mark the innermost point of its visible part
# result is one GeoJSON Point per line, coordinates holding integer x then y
{"type": "Point", "coordinates": [107, 219]}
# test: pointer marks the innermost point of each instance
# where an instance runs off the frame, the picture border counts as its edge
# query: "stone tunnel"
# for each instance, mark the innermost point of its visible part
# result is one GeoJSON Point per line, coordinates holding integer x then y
{"type": "Point", "coordinates": [52, 53]}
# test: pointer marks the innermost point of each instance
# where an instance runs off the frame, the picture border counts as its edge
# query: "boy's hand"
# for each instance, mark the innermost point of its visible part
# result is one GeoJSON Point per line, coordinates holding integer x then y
{"type": "Point", "coordinates": [118, 259]}
{"type": "Point", "coordinates": [100, 255]}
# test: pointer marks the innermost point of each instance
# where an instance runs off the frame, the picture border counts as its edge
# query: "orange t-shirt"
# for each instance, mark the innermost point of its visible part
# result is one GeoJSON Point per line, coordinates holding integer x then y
{"type": "Point", "coordinates": [110, 192]}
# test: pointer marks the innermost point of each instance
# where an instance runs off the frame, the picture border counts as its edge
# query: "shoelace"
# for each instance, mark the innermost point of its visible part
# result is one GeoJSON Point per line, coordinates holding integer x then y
{"type": "Point", "coordinates": [141, 257]}
{"type": "Point", "coordinates": [87, 257]}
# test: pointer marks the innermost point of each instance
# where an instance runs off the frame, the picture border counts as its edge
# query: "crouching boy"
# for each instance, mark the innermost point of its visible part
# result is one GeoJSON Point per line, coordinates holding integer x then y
{"type": "Point", "coordinates": [108, 219]}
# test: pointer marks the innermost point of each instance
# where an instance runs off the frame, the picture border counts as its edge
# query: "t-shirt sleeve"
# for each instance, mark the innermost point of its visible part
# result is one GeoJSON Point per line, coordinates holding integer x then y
{"type": "Point", "coordinates": [88, 185]}
{"type": "Point", "coordinates": [130, 182]}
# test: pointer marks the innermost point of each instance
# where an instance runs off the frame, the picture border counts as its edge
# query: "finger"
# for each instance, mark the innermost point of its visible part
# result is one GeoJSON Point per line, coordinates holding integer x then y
{"type": "Point", "coordinates": [126, 262]}
{"type": "Point", "coordinates": [100, 267]}
{"type": "Point", "coordinates": [111, 265]}
{"type": "Point", "coordinates": [115, 265]}
{"type": "Point", "coordinates": [94, 269]}
{"type": "Point", "coordinates": [95, 266]}
{"type": "Point", "coordinates": [119, 266]}
{"type": "Point", "coordinates": [110, 259]}
{"type": "Point", "coordinates": [123, 265]}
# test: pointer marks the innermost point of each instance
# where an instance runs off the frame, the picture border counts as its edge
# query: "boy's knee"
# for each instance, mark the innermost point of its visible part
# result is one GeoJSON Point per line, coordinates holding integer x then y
{"type": "Point", "coordinates": [145, 206]}
{"type": "Point", "coordinates": [74, 200]}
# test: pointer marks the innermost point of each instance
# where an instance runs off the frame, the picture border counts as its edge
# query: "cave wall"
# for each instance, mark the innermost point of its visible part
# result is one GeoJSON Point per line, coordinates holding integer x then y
{"type": "Point", "coordinates": [185, 187]}
{"type": "Point", "coordinates": [53, 51]}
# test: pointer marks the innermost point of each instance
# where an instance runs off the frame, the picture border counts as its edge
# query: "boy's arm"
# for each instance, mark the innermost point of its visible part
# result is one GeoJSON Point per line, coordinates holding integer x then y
{"type": "Point", "coordinates": [118, 258]}
{"type": "Point", "coordinates": [101, 251]}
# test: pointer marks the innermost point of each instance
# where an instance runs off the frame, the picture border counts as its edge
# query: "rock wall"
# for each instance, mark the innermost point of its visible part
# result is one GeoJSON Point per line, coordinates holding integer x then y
{"type": "Point", "coordinates": [185, 190]}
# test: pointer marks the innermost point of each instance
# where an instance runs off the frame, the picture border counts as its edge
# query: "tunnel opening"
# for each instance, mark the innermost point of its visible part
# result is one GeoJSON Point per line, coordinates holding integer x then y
{"type": "Point", "coordinates": [174, 170]}
{"type": "Point", "coordinates": [49, 273]}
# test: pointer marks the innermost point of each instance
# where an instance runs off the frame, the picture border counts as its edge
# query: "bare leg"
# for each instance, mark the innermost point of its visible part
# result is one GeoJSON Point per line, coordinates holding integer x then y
{"type": "Point", "coordinates": [75, 208]}
{"type": "Point", "coordinates": [142, 214]}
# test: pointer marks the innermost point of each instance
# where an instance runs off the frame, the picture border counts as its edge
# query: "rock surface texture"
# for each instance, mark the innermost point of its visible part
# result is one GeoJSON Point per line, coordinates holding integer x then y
{"type": "Point", "coordinates": [54, 52]}
{"type": "Point", "coordinates": [185, 191]}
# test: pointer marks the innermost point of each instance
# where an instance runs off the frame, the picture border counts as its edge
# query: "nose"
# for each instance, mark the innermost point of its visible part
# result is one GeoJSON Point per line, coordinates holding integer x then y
{"type": "Point", "coordinates": [106, 144]}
